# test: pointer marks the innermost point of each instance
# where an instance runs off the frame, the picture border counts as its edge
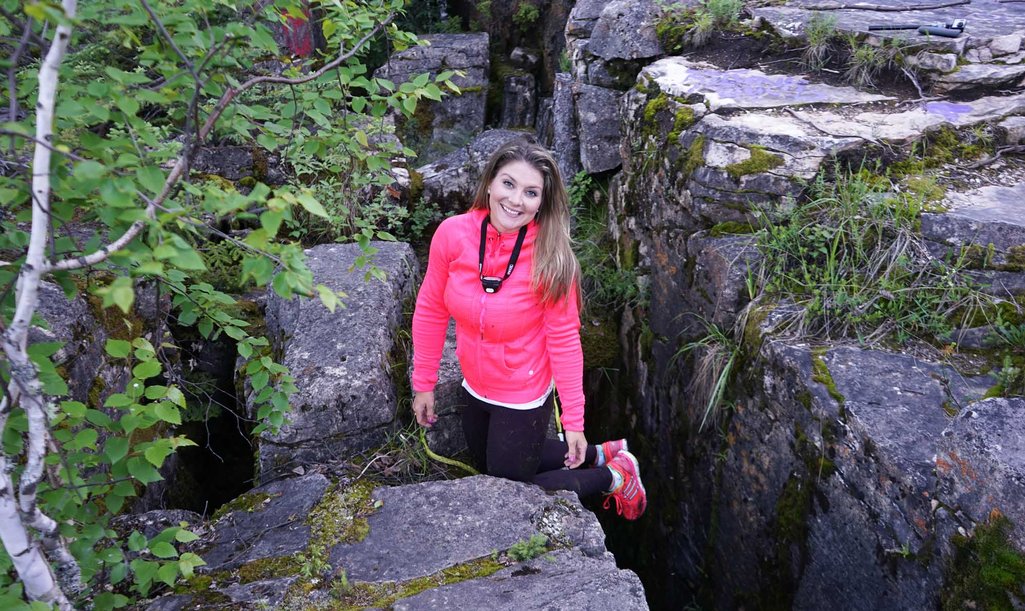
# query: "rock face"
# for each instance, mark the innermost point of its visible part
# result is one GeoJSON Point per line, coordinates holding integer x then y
{"type": "Point", "coordinates": [341, 362]}
{"type": "Point", "coordinates": [441, 127]}
{"type": "Point", "coordinates": [840, 473]}
{"type": "Point", "coordinates": [451, 181]}
{"type": "Point", "coordinates": [986, 55]}
{"type": "Point", "coordinates": [610, 41]}
{"type": "Point", "coordinates": [402, 543]}
{"type": "Point", "coordinates": [91, 378]}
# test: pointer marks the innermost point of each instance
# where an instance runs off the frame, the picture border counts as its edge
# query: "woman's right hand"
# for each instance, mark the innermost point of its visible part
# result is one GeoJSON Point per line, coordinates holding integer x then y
{"type": "Point", "coordinates": [423, 408]}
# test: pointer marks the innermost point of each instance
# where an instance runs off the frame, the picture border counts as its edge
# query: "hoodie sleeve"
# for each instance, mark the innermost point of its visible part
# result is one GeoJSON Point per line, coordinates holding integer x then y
{"type": "Point", "coordinates": [562, 329]}
{"type": "Point", "coordinates": [430, 317]}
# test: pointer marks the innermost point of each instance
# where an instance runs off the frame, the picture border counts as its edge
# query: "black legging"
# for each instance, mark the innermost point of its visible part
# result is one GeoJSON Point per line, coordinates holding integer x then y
{"type": "Point", "coordinates": [511, 443]}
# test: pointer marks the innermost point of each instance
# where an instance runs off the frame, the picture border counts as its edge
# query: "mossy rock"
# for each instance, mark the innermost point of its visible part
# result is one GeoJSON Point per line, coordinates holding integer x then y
{"type": "Point", "coordinates": [987, 571]}
{"type": "Point", "coordinates": [759, 162]}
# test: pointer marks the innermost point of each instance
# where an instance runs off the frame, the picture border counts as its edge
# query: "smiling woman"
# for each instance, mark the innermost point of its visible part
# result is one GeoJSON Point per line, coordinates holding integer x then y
{"type": "Point", "coordinates": [516, 302]}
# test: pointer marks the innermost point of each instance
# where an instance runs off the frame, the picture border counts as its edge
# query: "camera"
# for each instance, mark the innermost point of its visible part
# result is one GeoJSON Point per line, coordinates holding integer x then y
{"type": "Point", "coordinates": [491, 284]}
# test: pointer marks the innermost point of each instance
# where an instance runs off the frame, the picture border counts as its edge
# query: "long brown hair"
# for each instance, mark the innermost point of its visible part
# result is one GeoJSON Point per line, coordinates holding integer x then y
{"type": "Point", "coordinates": [556, 269]}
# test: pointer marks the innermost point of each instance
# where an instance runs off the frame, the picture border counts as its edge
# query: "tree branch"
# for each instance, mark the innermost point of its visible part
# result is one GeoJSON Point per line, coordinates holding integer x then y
{"type": "Point", "coordinates": [183, 162]}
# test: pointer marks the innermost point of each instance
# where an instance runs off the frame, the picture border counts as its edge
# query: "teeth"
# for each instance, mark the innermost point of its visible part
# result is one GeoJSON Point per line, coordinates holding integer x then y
{"type": "Point", "coordinates": [511, 212]}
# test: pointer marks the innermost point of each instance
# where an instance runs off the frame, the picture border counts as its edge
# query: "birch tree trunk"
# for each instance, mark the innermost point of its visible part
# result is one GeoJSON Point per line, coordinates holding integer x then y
{"type": "Point", "coordinates": [19, 512]}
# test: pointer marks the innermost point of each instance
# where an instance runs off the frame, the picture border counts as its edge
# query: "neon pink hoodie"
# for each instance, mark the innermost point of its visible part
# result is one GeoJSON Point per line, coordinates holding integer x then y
{"type": "Point", "coordinates": [509, 346]}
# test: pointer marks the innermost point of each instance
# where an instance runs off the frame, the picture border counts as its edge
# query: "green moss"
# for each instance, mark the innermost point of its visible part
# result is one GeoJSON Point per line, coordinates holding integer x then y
{"type": "Point", "coordinates": [1015, 259]}
{"type": "Point", "coordinates": [384, 594]}
{"type": "Point", "coordinates": [646, 341]}
{"type": "Point", "coordinates": [416, 186]}
{"type": "Point", "coordinates": [649, 124]}
{"type": "Point", "coordinates": [730, 228]}
{"type": "Point", "coordinates": [752, 339]}
{"type": "Point", "coordinates": [950, 408]}
{"type": "Point", "coordinates": [695, 157]}
{"type": "Point", "coordinates": [682, 120]}
{"type": "Point", "coordinates": [249, 502]}
{"type": "Point", "coordinates": [820, 374]}
{"type": "Point", "coordinates": [341, 515]}
{"type": "Point", "coordinates": [986, 571]}
{"type": "Point", "coordinates": [672, 30]}
{"type": "Point", "coordinates": [267, 568]}
{"type": "Point", "coordinates": [758, 163]}
{"type": "Point", "coordinates": [818, 464]}
{"type": "Point", "coordinates": [804, 398]}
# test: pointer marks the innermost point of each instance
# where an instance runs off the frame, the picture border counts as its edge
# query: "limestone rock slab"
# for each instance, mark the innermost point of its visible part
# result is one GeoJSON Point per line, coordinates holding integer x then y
{"type": "Point", "coordinates": [980, 75]}
{"type": "Point", "coordinates": [598, 119]}
{"type": "Point", "coordinates": [346, 397]}
{"type": "Point", "coordinates": [559, 580]}
{"type": "Point", "coordinates": [451, 180]}
{"type": "Point", "coordinates": [745, 88]}
{"type": "Point", "coordinates": [987, 216]}
{"type": "Point", "coordinates": [565, 144]}
{"type": "Point", "coordinates": [423, 528]}
{"type": "Point", "coordinates": [272, 527]}
{"type": "Point", "coordinates": [446, 436]}
{"type": "Point", "coordinates": [625, 29]}
{"type": "Point", "coordinates": [981, 464]}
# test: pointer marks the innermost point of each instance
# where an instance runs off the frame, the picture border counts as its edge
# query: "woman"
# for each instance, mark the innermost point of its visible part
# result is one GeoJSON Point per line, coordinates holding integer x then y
{"type": "Point", "coordinates": [506, 272]}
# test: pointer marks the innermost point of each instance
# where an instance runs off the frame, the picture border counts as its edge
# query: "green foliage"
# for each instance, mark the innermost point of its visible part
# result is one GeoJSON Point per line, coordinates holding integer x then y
{"type": "Point", "coordinates": [852, 257]}
{"type": "Point", "coordinates": [130, 103]}
{"type": "Point", "coordinates": [866, 61]}
{"type": "Point", "coordinates": [108, 454]}
{"type": "Point", "coordinates": [819, 31]}
{"type": "Point", "coordinates": [717, 357]}
{"type": "Point", "coordinates": [608, 285]}
{"type": "Point", "coordinates": [528, 549]}
{"type": "Point", "coordinates": [680, 27]}
{"type": "Point", "coordinates": [986, 572]}
{"type": "Point", "coordinates": [526, 15]}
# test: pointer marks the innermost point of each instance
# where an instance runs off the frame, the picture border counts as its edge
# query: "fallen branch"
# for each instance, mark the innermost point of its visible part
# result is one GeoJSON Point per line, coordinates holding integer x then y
{"type": "Point", "coordinates": [830, 6]}
{"type": "Point", "coordinates": [1020, 148]}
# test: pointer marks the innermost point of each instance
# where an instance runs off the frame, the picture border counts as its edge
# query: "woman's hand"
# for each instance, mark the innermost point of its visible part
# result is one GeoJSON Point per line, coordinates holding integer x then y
{"type": "Point", "coordinates": [423, 408]}
{"type": "Point", "coordinates": [577, 448]}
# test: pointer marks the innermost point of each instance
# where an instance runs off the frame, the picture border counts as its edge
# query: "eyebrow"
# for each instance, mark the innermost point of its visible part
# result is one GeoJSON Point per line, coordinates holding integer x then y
{"type": "Point", "coordinates": [509, 176]}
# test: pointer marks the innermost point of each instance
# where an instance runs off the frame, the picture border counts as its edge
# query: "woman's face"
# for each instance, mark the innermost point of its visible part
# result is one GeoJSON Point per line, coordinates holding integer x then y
{"type": "Point", "coordinates": [514, 196]}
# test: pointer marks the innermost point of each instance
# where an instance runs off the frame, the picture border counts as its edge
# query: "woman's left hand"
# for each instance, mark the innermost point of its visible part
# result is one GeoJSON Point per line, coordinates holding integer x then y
{"type": "Point", "coordinates": [576, 448]}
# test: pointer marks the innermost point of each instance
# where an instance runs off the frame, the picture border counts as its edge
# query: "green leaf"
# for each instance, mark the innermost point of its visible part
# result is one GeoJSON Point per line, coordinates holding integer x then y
{"type": "Point", "coordinates": [146, 370]}
{"type": "Point", "coordinates": [118, 348]}
{"type": "Point", "coordinates": [73, 409]}
{"type": "Point", "coordinates": [168, 573]}
{"type": "Point", "coordinates": [267, 141]}
{"type": "Point", "coordinates": [90, 170]}
{"type": "Point", "coordinates": [155, 392]}
{"type": "Point", "coordinates": [185, 536]}
{"type": "Point", "coordinates": [259, 380]}
{"type": "Point", "coordinates": [84, 439]}
{"type": "Point", "coordinates": [117, 400]}
{"type": "Point", "coordinates": [312, 205]}
{"type": "Point", "coordinates": [163, 549]}
{"type": "Point", "coordinates": [143, 471]}
{"type": "Point", "coordinates": [116, 448]}
{"type": "Point", "coordinates": [328, 297]}
{"type": "Point", "coordinates": [151, 178]}
{"type": "Point", "coordinates": [137, 541]}
{"type": "Point", "coordinates": [167, 412]}
{"type": "Point", "coordinates": [120, 292]}
{"type": "Point", "coordinates": [174, 395]}
{"type": "Point", "coordinates": [409, 104]}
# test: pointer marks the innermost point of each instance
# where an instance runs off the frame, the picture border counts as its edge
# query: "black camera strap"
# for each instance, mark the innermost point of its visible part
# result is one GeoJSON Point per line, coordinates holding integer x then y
{"type": "Point", "coordinates": [492, 284]}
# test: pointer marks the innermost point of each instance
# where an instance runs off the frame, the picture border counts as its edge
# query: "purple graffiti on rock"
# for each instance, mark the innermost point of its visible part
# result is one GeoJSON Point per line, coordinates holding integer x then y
{"type": "Point", "coordinates": [948, 110]}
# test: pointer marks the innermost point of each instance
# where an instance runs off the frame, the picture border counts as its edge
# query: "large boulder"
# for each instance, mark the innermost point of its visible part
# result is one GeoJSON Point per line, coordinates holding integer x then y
{"type": "Point", "coordinates": [438, 128]}
{"type": "Point", "coordinates": [451, 181]}
{"type": "Point", "coordinates": [598, 120]}
{"type": "Point", "coordinates": [610, 41]}
{"type": "Point", "coordinates": [445, 544]}
{"type": "Point", "coordinates": [340, 361]}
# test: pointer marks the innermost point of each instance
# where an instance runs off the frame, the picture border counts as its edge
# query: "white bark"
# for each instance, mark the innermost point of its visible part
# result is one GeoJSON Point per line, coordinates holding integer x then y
{"type": "Point", "coordinates": [18, 515]}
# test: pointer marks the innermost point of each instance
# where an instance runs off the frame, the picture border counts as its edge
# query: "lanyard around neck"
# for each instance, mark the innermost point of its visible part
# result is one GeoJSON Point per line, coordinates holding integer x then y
{"type": "Point", "coordinates": [491, 284]}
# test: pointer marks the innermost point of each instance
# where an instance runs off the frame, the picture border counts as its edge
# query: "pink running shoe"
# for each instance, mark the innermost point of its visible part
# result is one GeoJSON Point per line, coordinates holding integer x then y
{"type": "Point", "coordinates": [611, 448]}
{"type": "Point", "coordinates": [630, 497]}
